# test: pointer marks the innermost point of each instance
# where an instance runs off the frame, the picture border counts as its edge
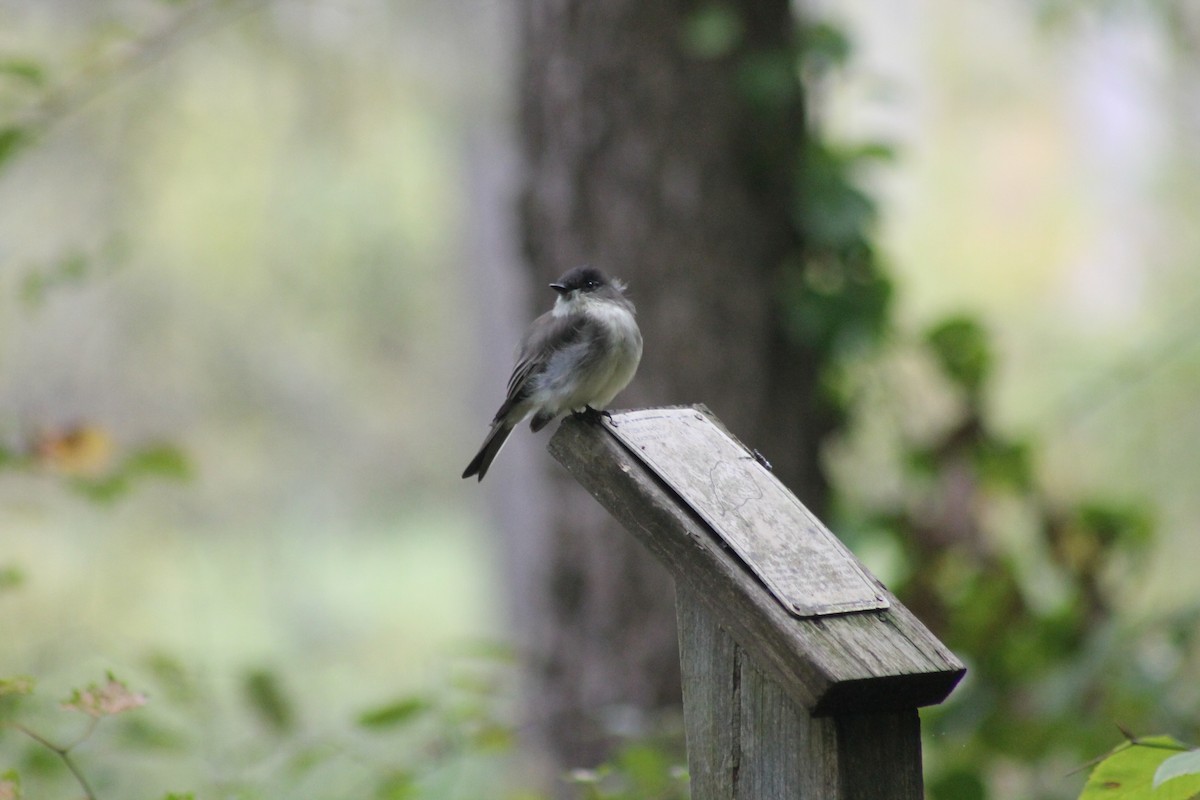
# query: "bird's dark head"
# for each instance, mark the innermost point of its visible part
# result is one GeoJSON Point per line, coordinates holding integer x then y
{"type": "Point", "coordinates": [584, 280]}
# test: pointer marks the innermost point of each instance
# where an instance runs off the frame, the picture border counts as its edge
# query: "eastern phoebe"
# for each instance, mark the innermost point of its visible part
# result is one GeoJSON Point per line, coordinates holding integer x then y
{"type": "Point", "coordinates": [575, 357]}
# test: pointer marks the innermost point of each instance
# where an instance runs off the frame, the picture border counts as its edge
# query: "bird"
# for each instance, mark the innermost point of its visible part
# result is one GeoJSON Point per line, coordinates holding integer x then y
{"type": "Point", "coordinates": [576, 357]}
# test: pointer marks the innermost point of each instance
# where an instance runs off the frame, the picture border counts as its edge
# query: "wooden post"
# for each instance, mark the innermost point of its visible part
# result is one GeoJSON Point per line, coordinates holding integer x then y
{"type": "Point", "coordinates": [802, 674]}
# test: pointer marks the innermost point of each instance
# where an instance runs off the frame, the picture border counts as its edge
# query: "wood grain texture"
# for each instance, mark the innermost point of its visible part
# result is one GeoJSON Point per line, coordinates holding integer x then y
{"type": "Point", "coordinates": [879, 756]}
{"type": "Point", "coordinates": [748, 740]}
{"type": "Point", "coordinates": [711, 702]}
{"type": "Point", "coordinates": [857, 662]}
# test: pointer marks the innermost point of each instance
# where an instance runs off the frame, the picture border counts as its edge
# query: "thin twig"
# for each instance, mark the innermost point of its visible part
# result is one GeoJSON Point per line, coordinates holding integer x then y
{"type": "Point", "coordinates": [63, 100]}
{"type": "Point", "coordinates": [64, 753]}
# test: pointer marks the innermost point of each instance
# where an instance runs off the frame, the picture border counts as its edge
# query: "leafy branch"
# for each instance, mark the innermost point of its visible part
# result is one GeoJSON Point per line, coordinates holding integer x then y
{"type": "Point", "coordinates": [97, 701]}
{"type": "Point", "coordinates": [1146, 768]}
{"type": "Point", "coordinates": [49, 102]}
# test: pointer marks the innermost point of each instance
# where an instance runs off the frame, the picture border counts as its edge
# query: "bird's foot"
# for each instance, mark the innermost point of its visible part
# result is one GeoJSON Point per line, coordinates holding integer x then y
{"type": "Point", "coordinates": [589, 414]}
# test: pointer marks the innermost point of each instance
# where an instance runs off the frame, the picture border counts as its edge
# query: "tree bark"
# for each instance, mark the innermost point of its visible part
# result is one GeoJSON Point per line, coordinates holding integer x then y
{"type": "Point", "coordinates": [670, 169]}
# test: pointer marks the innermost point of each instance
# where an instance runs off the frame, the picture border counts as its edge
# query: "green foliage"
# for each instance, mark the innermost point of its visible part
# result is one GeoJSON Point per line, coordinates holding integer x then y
{"type": "Point", "coordinates": [457, 734]}
{"type": "Point", "coordinates": [712, 31]}
{"type": "Point", "coordinates": [766, 81]}
{"type": "Point", "coordinates": [13, 139]}
{"type": "Point", "coordinates": [12, 691]}
{"type": "Point", "coordinates": [960, 783]}
{"type": "Point", "coordinates": [835, 306]}
{"type": "Point", "coordinates": [96, 700]}
{"type": "Point", "coordinates": [265, 696]}
{"type": "Point", "coordinates": [1050, 665]}
{"type": "Point", "coordinates": [834, 296]}
{"type": "Point", "coordinates": [824, 47]}
{"type": "Point", "coordinates": [75, 267]}
{"type": "Point", "coordinates": [394, 714]}
{"type": "Point", "coordinates": [1178, 766]}
{"type": "Point", "coordinates": [1024, 586]}
{"type": "Point", "coordinates": [1110, 525]}
{"type": "Point", "coordinates": [833, 213]}
{"type": "Point", "coordinates": [23, 70]}
{"type": "Point", "coordinates": [70, 269]}
{"type": "Point", "coordinates": [960, 347]}
{"type": "Point", "coordinates": [16, 686]}
{"type": "Point", "coordinates": [637, 772]}
{"type": "Point", "coordinates": [397, 786]}
{"type": "Point", "coordinates": [1134, 770]}
{"type": "Point", "coordinates": [155, 460]}
{"type": "Point", "coordinates": [83, 456]}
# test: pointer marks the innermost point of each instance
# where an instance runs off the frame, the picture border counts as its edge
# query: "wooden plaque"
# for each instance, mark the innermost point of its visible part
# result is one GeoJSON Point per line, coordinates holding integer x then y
{"type": "Point", "coordinates": [804, 566]}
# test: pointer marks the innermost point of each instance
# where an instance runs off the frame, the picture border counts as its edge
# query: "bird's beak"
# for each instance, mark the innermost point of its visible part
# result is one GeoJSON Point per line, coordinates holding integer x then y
{"type": "Point", "coordinates": [558, 287]}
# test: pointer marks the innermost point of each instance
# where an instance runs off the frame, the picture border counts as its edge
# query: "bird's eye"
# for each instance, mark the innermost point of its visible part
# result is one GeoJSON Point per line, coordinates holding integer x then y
{"type": "Point", "coordinates": [592, 284]}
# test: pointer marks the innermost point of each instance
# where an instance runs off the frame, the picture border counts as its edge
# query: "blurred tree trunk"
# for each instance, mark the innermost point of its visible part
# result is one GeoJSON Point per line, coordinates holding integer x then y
{"type": "Point", "coordinates": [660, 144]}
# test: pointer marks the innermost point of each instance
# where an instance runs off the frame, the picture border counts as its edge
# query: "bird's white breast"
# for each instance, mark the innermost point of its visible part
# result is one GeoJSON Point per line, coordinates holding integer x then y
{"type": "Point", "coordinates": [615, 373]}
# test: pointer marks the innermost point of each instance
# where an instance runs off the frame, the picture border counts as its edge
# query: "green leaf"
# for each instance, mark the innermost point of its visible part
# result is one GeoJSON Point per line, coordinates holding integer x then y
{"type": "Point", "coordinates": [310, 757]}
{"type": "Point", "coordinates": [872, 151]}
{"type": "Point", "coordinates": [21, 684]}
{"type": "Point", "coordinates": [173, 678]}
{"type": "Point", "coordinates": [1113, 524]}
{"type": "Point", "coordinates": [11, 577]}
{"type": "Point", "coordinates": [266, 696]}
{"type": "Point", "coordinates": [648, 768]}
{"type": "Point", "coordinates": [163, 460]}
{"type": "Point", "coordinates": [492, 738]}
{"type": "Point", "coordinates": [160, 460]}
{"type": "Point", "coordinates": [960, 346]}
{"type": "Point", "coordinates": [394, 714]}
{"type": "Point", "coordinates": [1127, 773]}
{"type": "Point", "coordinates": [12, 691]}
{"type": "Point", "coordinates": [39, 761]}
{"type": "Point", "coordinates": [101, 490]}
{"type": "Point", "coordinates": [835, 305]}
{"type": "Point", "coordinates": [958, 784]}
{"type": "Point", "coordinates": [70, 269]}
{"type": "Point", "coordinates": [832, 211]}
{"type": "Point", "coordinates": [33, 289]}
{"type": "Point", "coordinates": [12, 139]}
{"type": "Point", "coordinates": [837, 214]}
{"type": "Point", "coordinates": [1005, 463]}
{"type": "Point", "coordinates": [767, 80]}
{"type": "Point", "coordinates": [712, 31]}
{"type": "Point", "coordinates": [143, 735]}
{"type": "Point", "coordinates": [1177, 766]}
{"type": "Point", "coordinates": [9, 457]}
{"type": "Point", "coordinates": [824, 46]}
{"type": "Point", "coordinates": [23, 69]}
{"type": "Point", "coordinates": [397, 786]}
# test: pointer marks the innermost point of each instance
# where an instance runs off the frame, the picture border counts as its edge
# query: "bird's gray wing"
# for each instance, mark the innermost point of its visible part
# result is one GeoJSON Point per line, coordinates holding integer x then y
{"type": "Point", "coordinates": [547, 335]}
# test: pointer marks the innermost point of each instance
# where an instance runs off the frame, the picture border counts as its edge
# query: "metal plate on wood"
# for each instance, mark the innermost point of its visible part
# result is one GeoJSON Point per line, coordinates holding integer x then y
{"type": "Point", "coordinates": [808, 570]}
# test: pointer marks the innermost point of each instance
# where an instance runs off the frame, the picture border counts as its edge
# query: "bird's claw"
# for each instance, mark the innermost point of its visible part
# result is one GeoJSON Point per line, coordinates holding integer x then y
{"type": "Point", "coordinates": [589, 414]}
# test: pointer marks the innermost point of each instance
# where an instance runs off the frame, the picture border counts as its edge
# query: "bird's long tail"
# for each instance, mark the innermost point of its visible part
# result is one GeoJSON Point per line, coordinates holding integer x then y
{"type": "Point", "coordinates": [491, 446]}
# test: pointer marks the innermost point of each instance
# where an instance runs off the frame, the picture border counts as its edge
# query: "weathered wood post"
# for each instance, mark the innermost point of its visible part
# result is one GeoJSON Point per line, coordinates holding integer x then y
{"type": "Point", "coordinates": [802, 674]}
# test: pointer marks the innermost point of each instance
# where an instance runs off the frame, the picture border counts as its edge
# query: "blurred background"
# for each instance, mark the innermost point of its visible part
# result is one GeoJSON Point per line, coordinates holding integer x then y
{"type": "Point", "coordinates": [240, 353]}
